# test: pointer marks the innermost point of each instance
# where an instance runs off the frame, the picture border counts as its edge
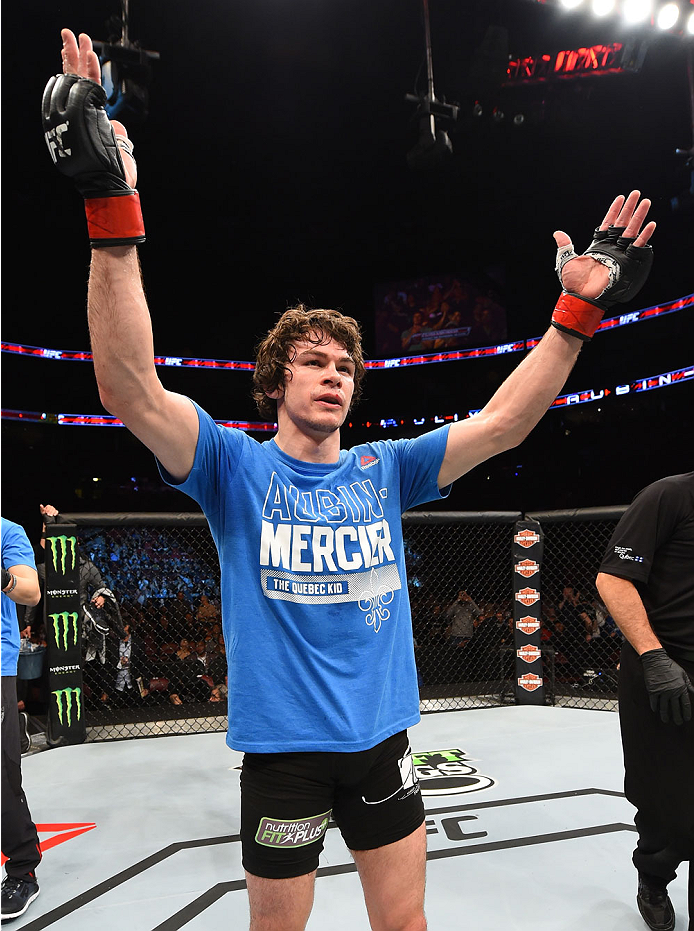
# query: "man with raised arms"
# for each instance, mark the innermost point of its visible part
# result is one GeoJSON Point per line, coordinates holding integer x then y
{"type": "Point", "coordinates": [322, 680]}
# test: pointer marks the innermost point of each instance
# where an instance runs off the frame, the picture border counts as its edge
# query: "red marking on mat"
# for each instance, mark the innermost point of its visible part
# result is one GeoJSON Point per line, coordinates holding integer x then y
{"type": "Point", "coordinates": [60, 833]}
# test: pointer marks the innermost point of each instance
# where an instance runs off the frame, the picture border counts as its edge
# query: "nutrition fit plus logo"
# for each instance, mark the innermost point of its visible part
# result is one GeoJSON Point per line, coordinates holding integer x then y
{"type": "Point", "coordinates": [448, 772]}
{"type": "Point", "coordinates": [65, 629]}
{"type": "Point", "coordinates": [63, 553]}
{"type": "Point", "coordinates": [67, 701]}
{"type": "Point", "coordinates": [275, 832]}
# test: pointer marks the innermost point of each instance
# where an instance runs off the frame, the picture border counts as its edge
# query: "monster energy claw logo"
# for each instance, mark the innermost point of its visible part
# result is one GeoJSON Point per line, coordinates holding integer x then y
{"type": "Point", "coordinates": [66, 695]}
{"type": "Point", "coordinates": [61, 548]}
{"type": "Point", "coordinates": [65, 621]}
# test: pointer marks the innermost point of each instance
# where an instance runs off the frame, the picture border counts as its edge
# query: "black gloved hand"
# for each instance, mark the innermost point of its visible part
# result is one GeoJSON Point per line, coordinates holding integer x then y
{"type": "Point", "coordinates": [6, 579]}
{"type": "Point", "coordinates": [668, 686]}
{"type": "Point", "coordinates": [84, 147]}
{"type": "Point", "coordinates": [627, 264]}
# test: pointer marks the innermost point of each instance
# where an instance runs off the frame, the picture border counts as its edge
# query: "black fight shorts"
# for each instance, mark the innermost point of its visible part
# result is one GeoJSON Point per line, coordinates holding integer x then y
{"type": "Point", "coordinates": [288, 800]}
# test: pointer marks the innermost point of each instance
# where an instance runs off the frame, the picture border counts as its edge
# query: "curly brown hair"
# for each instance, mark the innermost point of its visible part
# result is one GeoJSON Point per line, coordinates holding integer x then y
{"type": "Point", "coordinates": [276, 351]}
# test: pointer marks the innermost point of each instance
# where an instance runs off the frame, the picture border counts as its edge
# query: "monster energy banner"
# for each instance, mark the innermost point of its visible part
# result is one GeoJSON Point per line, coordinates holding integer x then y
{"type": "Point", "coordinates": [527, 560]}
{"type": "Point", "coordinates": [66, 721]}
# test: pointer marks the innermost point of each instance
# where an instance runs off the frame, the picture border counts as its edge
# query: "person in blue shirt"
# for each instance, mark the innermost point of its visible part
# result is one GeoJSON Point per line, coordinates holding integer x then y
{"type": "Point", "coordinates": [20, 842]}
{"type": "Point", "coordinates": [322, 681]}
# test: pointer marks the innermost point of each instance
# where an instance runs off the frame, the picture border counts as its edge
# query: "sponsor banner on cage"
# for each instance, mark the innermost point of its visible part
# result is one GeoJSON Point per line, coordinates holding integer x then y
{"type": "Point", "coordinates": [529, 653]}
{"type": "Point", "coordinates": [527, 554]}
{"type": "Point", "coordinates": [527, 568]}
{"type": "Point", "coordinates": [530, 682]}
{"type": "Point", "coordinates": [528, 625]}
{"type": "Point", "coordinates": [526, 538]}
{"type": "Point", "coordinates": [527, 597]}
{"type": "Point", "coordinates": [528, 541]}
{"type": "Point", "coordinates": [66, 717]}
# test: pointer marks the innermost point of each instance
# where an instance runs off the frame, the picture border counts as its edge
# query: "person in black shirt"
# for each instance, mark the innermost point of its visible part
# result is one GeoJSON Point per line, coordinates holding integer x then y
{"type": "Point", "coordinates": [646, 580]}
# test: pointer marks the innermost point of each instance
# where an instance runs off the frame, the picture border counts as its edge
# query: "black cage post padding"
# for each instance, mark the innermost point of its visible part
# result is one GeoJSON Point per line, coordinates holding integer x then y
{"type": "Point", "coordinates": [526, 558]}
{"type": "Point", "coordinates": [66, 716]}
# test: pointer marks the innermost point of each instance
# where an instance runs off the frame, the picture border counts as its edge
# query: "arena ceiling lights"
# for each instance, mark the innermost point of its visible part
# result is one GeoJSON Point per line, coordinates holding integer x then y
{"type": "Point", "coordinates": [673, 16]}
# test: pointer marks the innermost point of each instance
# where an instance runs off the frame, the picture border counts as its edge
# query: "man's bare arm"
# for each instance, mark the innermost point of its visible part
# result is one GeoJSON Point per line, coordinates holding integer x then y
{"type": "Point", "coordinates": [119, 321]}
{"type": "Point", "coordinates": [514, 409]}
{"type": "Point", "coordinates": [26, 590]}
{"type": "Point", "coordinates": [123, 350]}
{"type": "Point", "coordinates": [523, 398]}
{"type": "Point", "coordinates": [624, 603]}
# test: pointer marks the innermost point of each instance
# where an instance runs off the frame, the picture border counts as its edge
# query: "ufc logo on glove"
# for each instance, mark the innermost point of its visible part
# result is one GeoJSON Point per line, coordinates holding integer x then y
{"type": "Point", "coordinates": [54, 141]}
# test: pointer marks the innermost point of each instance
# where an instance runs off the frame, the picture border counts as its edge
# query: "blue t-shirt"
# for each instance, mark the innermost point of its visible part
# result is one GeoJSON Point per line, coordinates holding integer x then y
{"type": "Point", "coordinates": [16, 551]}
{"type": "Point", "coordinates": [315, 607]}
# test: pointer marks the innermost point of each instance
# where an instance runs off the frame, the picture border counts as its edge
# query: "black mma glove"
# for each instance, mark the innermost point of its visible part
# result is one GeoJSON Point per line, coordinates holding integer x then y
{"type": "Point", "coordinates": [6, 579]}
{"type": "Point", "coordinates": [628, 266]}
{"type": "Point", "coordinates": [668, 686]}
{"type": "Point", "coordinates": [83, 146]}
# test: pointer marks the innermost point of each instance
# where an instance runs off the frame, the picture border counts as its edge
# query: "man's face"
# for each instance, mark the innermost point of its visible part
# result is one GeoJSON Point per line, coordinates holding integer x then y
{"type": "Point", "coordinates": [318, 389]}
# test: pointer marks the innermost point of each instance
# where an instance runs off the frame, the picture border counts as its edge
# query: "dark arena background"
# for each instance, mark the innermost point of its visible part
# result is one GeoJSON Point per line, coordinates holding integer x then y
{"type": "Point", "coordinates": [283, 158]}
{"type": "Point", "coordinates": [273, 168]}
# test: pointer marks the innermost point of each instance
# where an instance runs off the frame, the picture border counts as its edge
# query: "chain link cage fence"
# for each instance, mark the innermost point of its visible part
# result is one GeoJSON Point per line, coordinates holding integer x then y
{"type": "Point", "coordinates": [164, 574]}
{"type": "Point", "coordinates": [576, 626]}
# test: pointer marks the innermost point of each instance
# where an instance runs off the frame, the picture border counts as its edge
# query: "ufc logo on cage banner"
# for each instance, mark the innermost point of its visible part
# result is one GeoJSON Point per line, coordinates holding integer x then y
{"type": "Point", "coordinates": [448, 772]}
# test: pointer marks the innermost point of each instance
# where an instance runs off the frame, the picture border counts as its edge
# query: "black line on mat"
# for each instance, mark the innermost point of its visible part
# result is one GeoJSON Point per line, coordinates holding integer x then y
{"type": "Point", "coordinates": [195, 908]}
{"type": "Point", "coordinates": [84, 898]}
{"type": "Point", "coordinates": [211, 896]}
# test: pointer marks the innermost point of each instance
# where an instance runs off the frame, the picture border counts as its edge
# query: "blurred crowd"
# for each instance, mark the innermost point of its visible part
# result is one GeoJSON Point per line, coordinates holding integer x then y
{"type": "Point", "coordinates": [461, 640]}
{"type": "Point", "coordinates": [150, 621]}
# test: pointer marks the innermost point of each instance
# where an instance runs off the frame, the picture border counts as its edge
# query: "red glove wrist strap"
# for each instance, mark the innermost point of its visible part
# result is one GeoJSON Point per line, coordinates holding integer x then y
{"type": "Point", "coordinates": [115, 220]}
{"type": "Point", "coordinates": [577, 316]}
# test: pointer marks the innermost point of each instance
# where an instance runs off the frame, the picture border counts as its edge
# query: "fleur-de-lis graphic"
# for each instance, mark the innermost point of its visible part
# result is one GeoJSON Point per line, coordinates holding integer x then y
{"type": "Point", "coordinates": [373, 602]}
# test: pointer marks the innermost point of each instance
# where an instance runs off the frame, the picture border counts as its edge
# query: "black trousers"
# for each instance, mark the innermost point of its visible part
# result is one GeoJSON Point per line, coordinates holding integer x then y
{"type": "Point", "coordinates": [20, 841]}
{"type": "Point", "coordinates": [659, 776]}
